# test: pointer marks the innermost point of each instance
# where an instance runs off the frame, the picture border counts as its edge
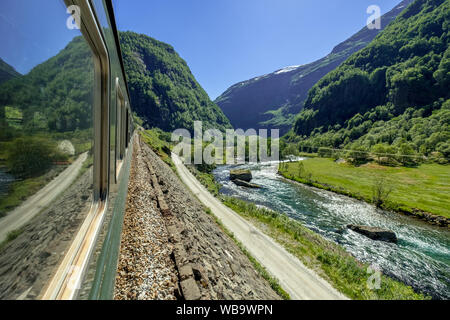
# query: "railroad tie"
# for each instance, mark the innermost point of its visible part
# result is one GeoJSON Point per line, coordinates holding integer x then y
{"type": "Point", "coordinates": [187, 285]}
{"type": "Point", "coordinates": [162, 204]}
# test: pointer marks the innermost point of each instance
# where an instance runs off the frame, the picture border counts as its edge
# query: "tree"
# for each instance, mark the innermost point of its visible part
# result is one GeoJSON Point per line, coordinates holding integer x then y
{"type": "Point", "coordinates": [379, 150]}
{"type": "Point", "coordinates": [380, 191]}
{"type": "Point", "coordinates": [325, 152]}
{"type": "Point", "coordinates": [357, 154]}
{"type": "Point", "coordinates": [27, 157]}
{"type": "Point", "coordinates": [406, 154]}
{"type": "Point", "coordinates": [301, 169]}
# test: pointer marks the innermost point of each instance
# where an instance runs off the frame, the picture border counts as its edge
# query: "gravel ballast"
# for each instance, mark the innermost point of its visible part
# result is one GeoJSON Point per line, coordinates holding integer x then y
{"type": "Point", "coordinates": [219, 268]}
{"type": "Point", "coordinates": [145, 270]}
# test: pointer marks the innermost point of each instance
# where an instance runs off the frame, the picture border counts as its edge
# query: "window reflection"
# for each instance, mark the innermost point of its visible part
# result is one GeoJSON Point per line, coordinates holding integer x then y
{"type": "Point", "coordinates": [46, 134]}
{"type": "Point", "coordinates": [115, 102]}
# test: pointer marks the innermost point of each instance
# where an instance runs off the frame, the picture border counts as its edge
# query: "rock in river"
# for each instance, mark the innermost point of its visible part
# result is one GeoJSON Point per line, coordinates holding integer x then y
{"type": "Point", "coordinates": [375, 233]}
{"type": "Point", "coordinates": [241, 174]}
{"type": "Point", "coordinates": [245, 184]}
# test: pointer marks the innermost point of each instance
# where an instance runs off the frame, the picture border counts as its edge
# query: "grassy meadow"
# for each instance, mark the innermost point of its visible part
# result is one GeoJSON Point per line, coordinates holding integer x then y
{"type": "Point", "coordinates": [426, 187]}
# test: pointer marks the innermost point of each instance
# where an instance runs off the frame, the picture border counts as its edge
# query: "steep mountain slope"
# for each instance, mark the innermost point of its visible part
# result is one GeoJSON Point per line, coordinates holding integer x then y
{"type": "Point", "coordinates": [50, 99]}
{"type": "Point", "coordinates": [7, 72]}
{"type": "Point", "coordinates": [395, 91]}
{"type": "Point", "coordinates": [273, 100]}
{"type": "Point", "coordinates": [163, 91]}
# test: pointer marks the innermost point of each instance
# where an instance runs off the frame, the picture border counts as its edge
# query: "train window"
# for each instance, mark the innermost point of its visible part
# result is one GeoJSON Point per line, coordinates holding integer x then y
{"type": "Point", "coordinates": [127, 139]}
{"type": "Point", "coordinates": [120, 107]}
{"type": "Point", "coordinates": [124, 126]}
{"type": "Point", "coordinates": [106, 245]}
{"type": "Point", "coordinates": [46, 141]}
{"type": "Point", "coordinates": [116, 81]}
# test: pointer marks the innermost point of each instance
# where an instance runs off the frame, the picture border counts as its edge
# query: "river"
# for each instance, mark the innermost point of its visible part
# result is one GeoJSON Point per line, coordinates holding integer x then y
{"type": "Point", "coordinates": [421, 258]}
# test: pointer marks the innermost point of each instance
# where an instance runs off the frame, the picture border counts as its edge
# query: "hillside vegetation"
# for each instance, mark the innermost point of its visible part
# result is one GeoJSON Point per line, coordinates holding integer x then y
{"type": "Point", "coordinates": [51, 100]}
{"type": "Point", "coordinates": [394, 93]}
{"type": "Point", "coordinates": [164, 93]}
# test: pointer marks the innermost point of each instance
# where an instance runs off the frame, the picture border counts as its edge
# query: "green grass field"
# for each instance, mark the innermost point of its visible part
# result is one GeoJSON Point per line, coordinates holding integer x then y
{"type": "Point", "coordinates": [426, 187]}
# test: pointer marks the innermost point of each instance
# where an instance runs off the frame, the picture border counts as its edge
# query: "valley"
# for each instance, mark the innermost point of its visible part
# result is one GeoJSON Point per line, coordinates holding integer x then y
{"type": "Point", "coordinates": [354, 204]}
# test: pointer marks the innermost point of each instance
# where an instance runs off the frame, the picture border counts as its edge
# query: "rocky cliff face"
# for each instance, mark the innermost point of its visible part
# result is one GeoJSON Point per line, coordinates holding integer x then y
{"type": "Point", "coordinates": [273, 100]}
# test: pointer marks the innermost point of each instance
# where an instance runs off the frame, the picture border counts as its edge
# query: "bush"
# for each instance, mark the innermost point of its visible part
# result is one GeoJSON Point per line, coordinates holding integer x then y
{"type": "Point", "coordinates": [406, 155]}
{"type": "Point", "coordinates": [325, 152]}
{"type": "Point", "coordinates": [385, 154]}
{"type": "Point", "coordinates": [357, 154]}
{"type": "Point", "coordinates": [30, 156]}
{"type": "Point", "coordinates": [380, 192]}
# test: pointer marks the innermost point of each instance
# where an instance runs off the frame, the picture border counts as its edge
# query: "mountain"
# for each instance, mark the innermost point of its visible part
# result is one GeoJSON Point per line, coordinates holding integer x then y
{"type": "Point", "coordinates": [53, 100]}
{"type": "Point", "coordinates": [7, 72]}
{"type": "Point", "coordinates": [273, 100]}
{"type": "Point", "coordinates": [395, 91]}
{"type": "Point", "coordinates": [164, 93]}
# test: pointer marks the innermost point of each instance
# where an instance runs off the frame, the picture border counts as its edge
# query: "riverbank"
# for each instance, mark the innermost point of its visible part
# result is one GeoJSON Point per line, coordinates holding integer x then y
{"type": "Point", "coordinates": [329, 260]}
{"type": "Point", "coordinates": [300, 282]}
{"type": "Point", "coordinates": [421, 192]}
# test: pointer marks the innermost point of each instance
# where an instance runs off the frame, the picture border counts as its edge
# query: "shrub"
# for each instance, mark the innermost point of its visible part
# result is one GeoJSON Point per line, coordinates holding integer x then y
{"type": "Point", "coordinates": [406, 155]}
{"type": "Point", "coordinates": [380, 192]}
{"type": "Point", "coordinates": [357, 154]}
{"type": "Point", "coordinates": [325, 152]}
{"type": "Point", "coordinates": [30, 156]}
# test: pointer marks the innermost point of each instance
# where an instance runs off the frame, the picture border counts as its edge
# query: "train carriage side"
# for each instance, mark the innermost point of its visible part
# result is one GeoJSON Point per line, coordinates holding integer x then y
{"type": "Point", "coordinates": [64, 166]}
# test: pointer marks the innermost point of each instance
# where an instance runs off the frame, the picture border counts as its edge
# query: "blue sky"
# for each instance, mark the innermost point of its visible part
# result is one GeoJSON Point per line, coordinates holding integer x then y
{"type": "Point", "coordinates": [32, 31]}
{"type": "Point", "coordinates": [223, 41]}
{"type": "Point", "coordinates": [227, 41]}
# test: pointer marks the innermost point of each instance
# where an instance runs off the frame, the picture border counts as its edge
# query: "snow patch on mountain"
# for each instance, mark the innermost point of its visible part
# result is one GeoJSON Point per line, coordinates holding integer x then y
{"type": "Point", "coordinates": [287, 69]}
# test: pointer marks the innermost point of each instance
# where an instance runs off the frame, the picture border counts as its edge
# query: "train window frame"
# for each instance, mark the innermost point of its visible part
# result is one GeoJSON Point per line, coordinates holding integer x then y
{"type": "Point", "coordinates": [122, 125]}
{"type": "Point", "coordinates": [66, 281]}
{"type": "Point", "coordinates": [127, 130]}
{"type": "Point", "coordinates": [120, 106]}
{"type": "Point", "coordinates": [124, 128]}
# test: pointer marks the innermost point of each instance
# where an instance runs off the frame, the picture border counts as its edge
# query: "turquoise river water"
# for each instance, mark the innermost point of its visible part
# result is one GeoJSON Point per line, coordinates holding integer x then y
{"type": "Point", "coordinates": [421, 258]}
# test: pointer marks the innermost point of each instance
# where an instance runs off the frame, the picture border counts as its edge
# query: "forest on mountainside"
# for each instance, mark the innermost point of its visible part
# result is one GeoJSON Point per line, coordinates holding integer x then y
{"type": "Point", "coordinates": [391, 96]}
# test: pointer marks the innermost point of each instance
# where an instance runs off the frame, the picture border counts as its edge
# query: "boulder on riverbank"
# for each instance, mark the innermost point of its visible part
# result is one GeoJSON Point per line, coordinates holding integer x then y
{"type": "Point", "coordinates": [375, 233]}
{"type": "Point", "coordinates": [243, 183]}
{"type": "Point", "coordinates": [241, 174]}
